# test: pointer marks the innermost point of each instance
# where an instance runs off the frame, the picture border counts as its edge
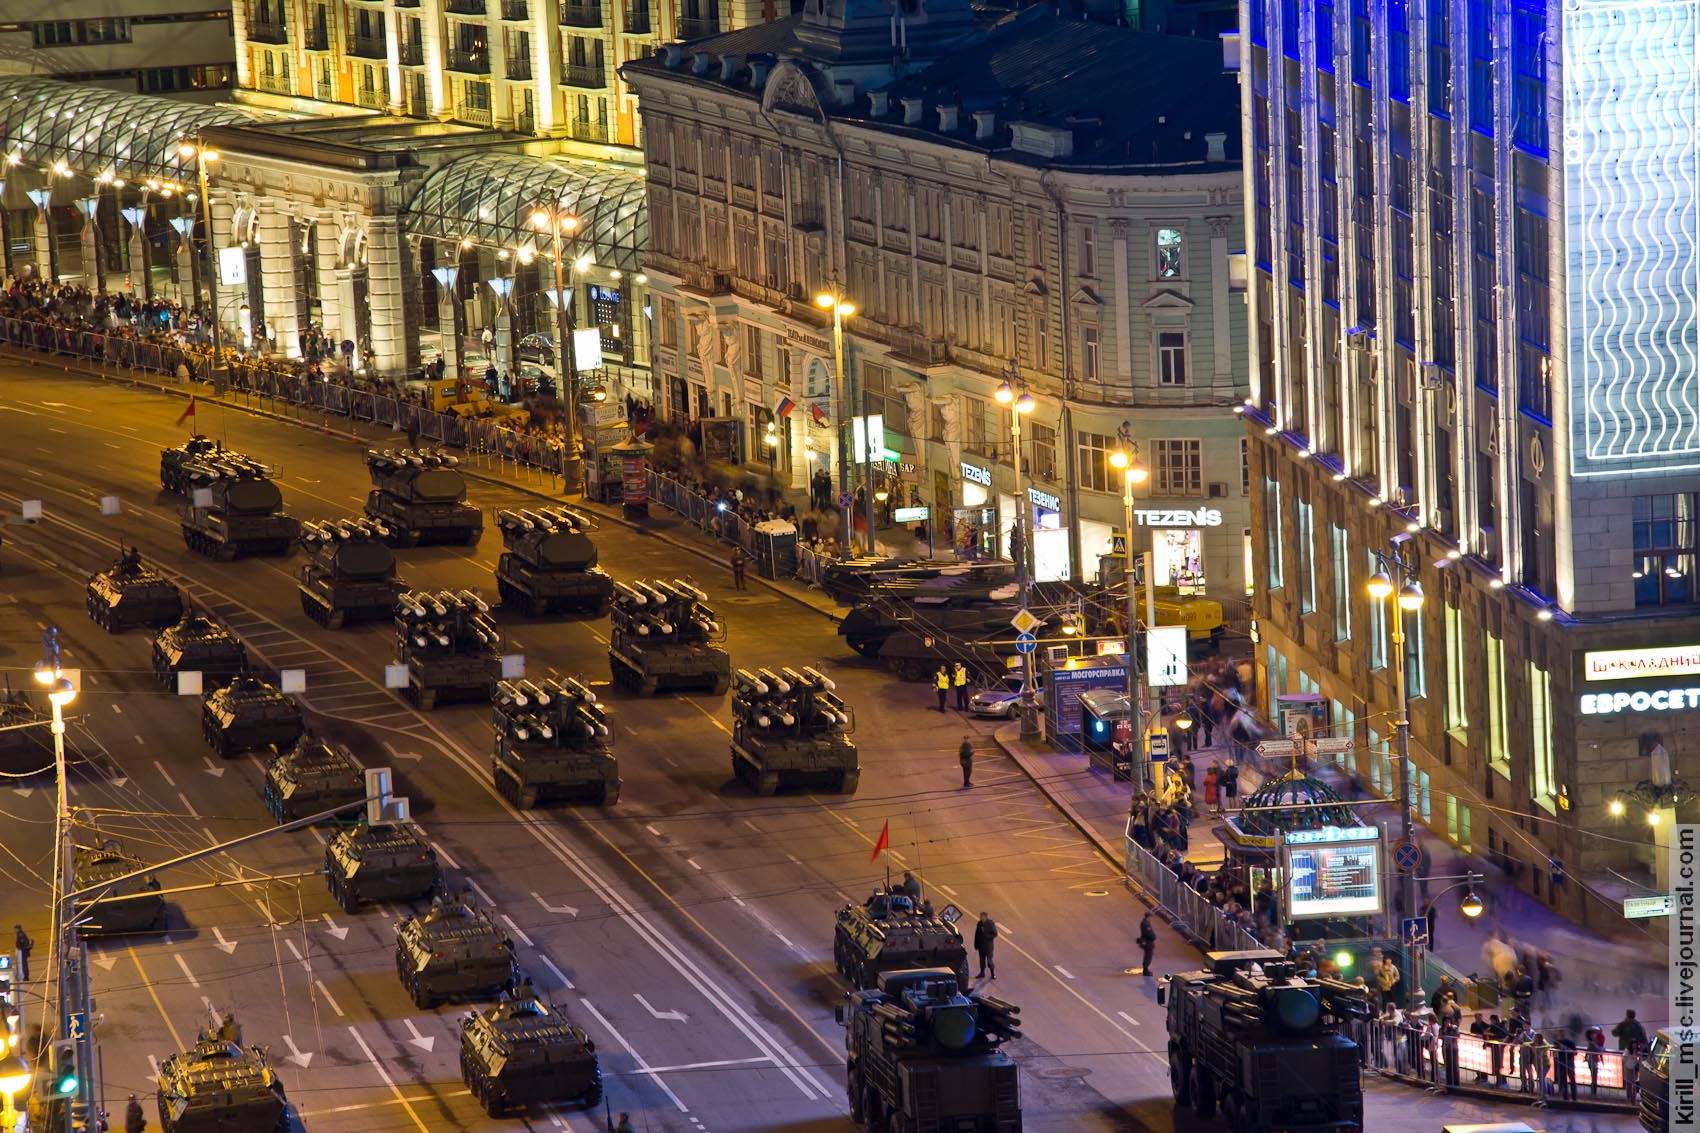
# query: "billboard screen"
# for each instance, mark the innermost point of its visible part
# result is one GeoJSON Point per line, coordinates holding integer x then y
{"type": "Point", "coordinates": [1333, 873]}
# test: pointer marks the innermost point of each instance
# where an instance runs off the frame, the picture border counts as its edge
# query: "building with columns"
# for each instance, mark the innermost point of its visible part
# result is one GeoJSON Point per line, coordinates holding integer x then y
{"type": "Point", "coordinates": [1075, 222]}
{"type": "Point", "coordinates": [1475, 262]}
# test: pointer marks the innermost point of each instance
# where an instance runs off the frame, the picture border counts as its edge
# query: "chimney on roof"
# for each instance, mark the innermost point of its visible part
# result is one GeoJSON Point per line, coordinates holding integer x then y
{"type": "Point", "coordinates": [671, 56]}
{"type": "Point", "coordinates": [758, 73]}
{"type": "Point", "coordinates": [947, 118]}
{"type": "Point", "coordinates": [879, 103]}
{"type": "Point", "coordinates": [844, 91]}
{"type": "Point", "coordinates": [699, 62]}
{"type": "Point", "coordinates": [1216, 147]}
{"type": "Point", "coordinates": [912, 108]}
{"type": "Point", "coordinates": [730, 65]}
{"type": "Point", "coordinates": [985, 125]}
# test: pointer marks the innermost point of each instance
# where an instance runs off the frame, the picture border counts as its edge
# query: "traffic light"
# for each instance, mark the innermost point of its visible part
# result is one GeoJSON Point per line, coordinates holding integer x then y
{"type": "Point", "coordinates": [65, 1079]}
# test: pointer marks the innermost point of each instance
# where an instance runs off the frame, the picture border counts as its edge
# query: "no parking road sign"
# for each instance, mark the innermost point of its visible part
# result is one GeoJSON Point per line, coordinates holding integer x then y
{"type": "Point", "coordinates": [846, 500]}
{"type": "Point", "coordinates": [1408, 856]}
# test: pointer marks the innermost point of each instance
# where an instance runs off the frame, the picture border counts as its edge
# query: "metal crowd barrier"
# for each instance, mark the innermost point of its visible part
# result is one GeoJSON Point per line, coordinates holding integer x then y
{"type": "Point", "coordinates": [1190, 911]}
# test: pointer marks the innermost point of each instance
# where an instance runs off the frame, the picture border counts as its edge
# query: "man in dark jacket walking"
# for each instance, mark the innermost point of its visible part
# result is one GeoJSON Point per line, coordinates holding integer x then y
{"type": "Point", "coordinates": [1147, 944]}
{"type": "Point", "coordinates": [985, 939]}
{"type": "Point", "coordinates": [965, 756]}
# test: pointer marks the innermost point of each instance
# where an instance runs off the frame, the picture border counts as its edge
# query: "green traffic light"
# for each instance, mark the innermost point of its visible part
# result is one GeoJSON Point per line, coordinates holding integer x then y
{"type": "Point", "coordinates": [67, 1083]}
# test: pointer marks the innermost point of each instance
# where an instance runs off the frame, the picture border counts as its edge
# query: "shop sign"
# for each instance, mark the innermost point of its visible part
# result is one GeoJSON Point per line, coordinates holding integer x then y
{"type": "Point", "coordinates": [1634, 664]}
{"type": "Point", "coordinates": [1044, 499]}
{"type": "Point", "coordinates": [910, 514]}
{"type": "Point", "coordinates": [1661, 700]}
{"type": "Point", "coordinates": [1166, 656]}
{"type": "Point", "coordinates": [976, 475]}
{"type": "Point", "coordinates": [1178, 517]}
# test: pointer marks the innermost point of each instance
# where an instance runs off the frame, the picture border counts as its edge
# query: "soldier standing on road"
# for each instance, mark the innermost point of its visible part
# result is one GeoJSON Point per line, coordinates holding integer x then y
{"type": "Point", "coordinates": [959, 678]}
{"type": "Point", "coordinates": [985, 939]}
{"type": "Point", "coordinates": [134, 1122]}
{"type": "Point", "coordinates": [1147, 944]}
{"type": "Point", "coordinates": [740, 562]}
{"type": "Point", "coordinates": [965, 756]}
{"type": "Point", "coordinates": [24, 946]}
{"type": "Point", "coordinates": [625, 1125]}
{"type": "Point", "coordinates": [941, 684]}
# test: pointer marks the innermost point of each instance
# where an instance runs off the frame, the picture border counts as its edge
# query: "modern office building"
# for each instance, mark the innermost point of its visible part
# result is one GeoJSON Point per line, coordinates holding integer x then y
{"type": "Point", "coordinates": [1473, 231]}
{"type": "Point", "coordinates": [978, 205]}
{"type": "Point", "coordinates": [177, 48]}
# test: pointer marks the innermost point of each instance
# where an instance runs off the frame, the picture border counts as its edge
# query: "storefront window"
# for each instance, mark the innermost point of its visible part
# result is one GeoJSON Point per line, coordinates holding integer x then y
{"type": "Point", "coordinates": [1178, 558]}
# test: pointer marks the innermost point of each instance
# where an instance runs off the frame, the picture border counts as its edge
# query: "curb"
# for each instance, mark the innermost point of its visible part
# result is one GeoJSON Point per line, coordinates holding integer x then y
{"type": "Point", "coordinates": [1503, 1097]}
{"type": "Point", "coordinates": [1106, 849]}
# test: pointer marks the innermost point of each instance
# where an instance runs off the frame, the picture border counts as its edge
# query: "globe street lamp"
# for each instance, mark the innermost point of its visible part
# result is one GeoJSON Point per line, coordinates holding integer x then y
{"type": "Point", "coordinates": [1133, 473]}
{"type": "Point", "coordinates": [833, 300]}
{"type": "Point", "coordinates": [1020, 402]}
{"type": "Point", "coordinates": [15, 1076]}
{"type": "Point", "coordinates": [203, 157]}
{"type": "Point", "coordinates": [553, 218]}
{"type": "Point", "coordinates": [1410, 601]}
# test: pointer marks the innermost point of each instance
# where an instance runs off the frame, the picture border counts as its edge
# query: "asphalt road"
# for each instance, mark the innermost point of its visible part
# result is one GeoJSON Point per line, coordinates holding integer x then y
{"type": "Point", "coordinates": [688, 929]}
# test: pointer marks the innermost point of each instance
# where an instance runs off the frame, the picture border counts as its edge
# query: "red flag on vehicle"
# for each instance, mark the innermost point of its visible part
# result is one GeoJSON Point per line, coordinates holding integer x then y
{"type": "Point", "coordinates": [189, 412]}
{"type": "Point", "coordinates": [884, 843]}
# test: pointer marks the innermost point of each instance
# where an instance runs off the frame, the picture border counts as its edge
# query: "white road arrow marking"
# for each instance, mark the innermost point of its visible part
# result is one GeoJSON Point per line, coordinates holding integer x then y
{"type": "Point", "coordinates": [333, 928]}
{"type": "Point", "coordinates": [558, 910]}
{"type": "Point", "coordinates": [121, 782]}
{"type": "Point", "coordinates": [213, 769]}
{"type": "Point", "coordinates": [394, 754]}
{"type": "Point", "coordinates": [104, 962]}
{"type": "Point", "coordinates": [153, 1062]}
{"type": "Point", "coordinates": [296, 1055]}
{"type": "Point", "coordinates": [423, 1042]}
{"type": "Point", "coordinates": [23, 792]}
{"type": "Point", "coordinates": [676, 1016]}
{"type": "Point", "coordinates": [229, 946]}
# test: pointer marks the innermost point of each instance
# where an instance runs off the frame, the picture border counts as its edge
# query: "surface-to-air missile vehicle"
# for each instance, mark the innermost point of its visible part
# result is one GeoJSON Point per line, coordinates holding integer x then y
{"type": "Point", "coordinates": [924, 1055]}
{"type": "Point", "coordinates": [450, 645]}
{"type": "Point", "coordinates": [1249, 1034]}
{"type": "Point", "coordinates": [663, 636]}
{"type": "Point", "coordinates": [350, 572]}
{"type": "Point", "coordinates": [419, 496]}
{"type": "Point", "coordinates": [392, 861]}
{"type": "Point", "coordinates": [176, 465]}
{"type": "Point", "coordinates": [552, 742]}
{"type": "Point", "coordinates": [246, 515]}
{"type": "Point", "coordinates": [129, 594]}
{"type": "Point", "coordinates": [789, 729]}
{"type": "Point", "coordinates": [453, 952]}
{"type": "Point", "coordinates": [550, 564]}
{"type": "Point", "coordinates": [248, 714]}
{"type": "Point", "coordinates": [221, 1086]}
{"type": "Point", "coordinates": [22, 748]}
{"type": "Point", "coordinates": [854, 580]}
{"type": "Point", "coordinates": [313, 775]}
{"type": "Point", "coordinates": [888, 933]}
{"type": "Point", "coordinates": [524, 1052]}
{"type": "Point", "coordinates": [134, 905]}
{"type": "Point", "coordinates": [197, 644]}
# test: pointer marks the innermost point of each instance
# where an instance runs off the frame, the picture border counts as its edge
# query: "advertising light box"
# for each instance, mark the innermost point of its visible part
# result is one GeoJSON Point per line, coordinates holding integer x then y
{"type": "Point", "coordinates": [1333, 872]}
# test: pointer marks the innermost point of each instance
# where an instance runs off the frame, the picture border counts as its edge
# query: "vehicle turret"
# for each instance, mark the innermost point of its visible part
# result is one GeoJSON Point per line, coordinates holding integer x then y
{"type": "Point", "coordinates": [198, 644]}
{"type": "Point", "coordinates": [350, 574]}
{"type": "Point", "coordinates": [450, 645]}
{"type": "Point", "coordinates": [175, 463]}
{"type": "Point", "coordinates": [241, 513]}
{"type": "Point", "coordinates": [550, 563]}
{"type": "Point", "coordinates": [790, 728]}
{"type": "Point", "coordinates": [419, 496]}
{"type": "Point", "coordinates": [664, 635]}
{"type": "Point", "coordinates": [129, 594]}
{"type": "Point", "coordinates": [552, 741]}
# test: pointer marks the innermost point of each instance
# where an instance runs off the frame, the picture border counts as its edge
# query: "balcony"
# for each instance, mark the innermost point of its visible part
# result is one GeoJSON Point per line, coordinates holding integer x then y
{"type": "Point", "coordinates": [637, 20]}
{"type": "Point", "coordinates": [372, 99]}
{"type": "Point", "coordinates": [464, 7]}
{"type": "Point", "coordinates": [473, 115]}
{"type": "Point", "coordinates": [324, 92]}
{"type": "Point", "coordinates": [368, 46]}
{"type": "Point", "coordinates": [590, 129]}
{"type": "Point", "coordinates": [913, 346]}
{"type": "Point", "coordinates": [579, 15]}
{"type": "Point", "coordinates": [525, 122]}
{"type": "Point", "coordinates": [519, 68]}
{"type": "Point", "coordinates": [412, 54]}
{"type": "Point", "coordinates": [586, 75]}
{"type": "Point", "coordinates": [695, 27]}
{"type": "Point", "coordinates": [469, 62]}
{"type": "Point", "coordinates": [273, 84]}
{"type": "Point", "coordinates": [317, 39]}
{"type": "Point", "coordinates": [516, 11]}
{"type": "Point", "coordinates": [268, 31]}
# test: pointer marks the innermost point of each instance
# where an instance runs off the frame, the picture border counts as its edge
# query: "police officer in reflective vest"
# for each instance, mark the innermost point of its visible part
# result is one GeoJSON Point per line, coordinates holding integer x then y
{"type": "Point", "coordinates": [941, 684]}
{"type": "Point", "coordinates": [960, 679]}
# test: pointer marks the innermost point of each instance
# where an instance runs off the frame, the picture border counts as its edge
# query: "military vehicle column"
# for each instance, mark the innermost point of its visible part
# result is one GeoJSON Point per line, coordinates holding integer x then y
{"type": "Point", "coordinates": [450, 645]}
{"type": "Point", "coordinates": [791, 729]}
{"type": "Point", "coordinates": [662, 635]}
{"type": "Point", "coordinates": [552, 741]}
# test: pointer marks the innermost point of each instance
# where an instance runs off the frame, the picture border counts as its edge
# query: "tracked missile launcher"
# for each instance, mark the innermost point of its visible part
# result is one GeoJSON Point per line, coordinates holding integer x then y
{"type": "Point", "coordinates": [664, 636]}
{"type": "Point", "coordinates": [175, 463]}
{"type": "Point", "coordinates": [197, 644]}
{"type": "Point", "coordinates": [350, 573]}
{"type": "Point", "coordinates": [523, 1052]}
{"type": "Point", "coordinates": [22, 747]}
{"type": "Point", "coordinates": [245, 516]}
{"type": "Point", "coordinates": [888, 933]}
{"type": "Point", "coordinates": [550, 564]}
{"type": "Point", "coordinates": [790, 729]}
{"type": "Point", "coordinates": [453, 952]}
{"type": "Point", "coordinates": [313, 776]}
{"type": "Point", "coordinates": [419, 496]}
{"type": "Point", "coordinates": [366, 864]}
{"type": "Point", "coordinates": [221, 1086]}
{"type": "Point", "coordinates": [1250, 1035]}
{"type": "Point", "coordinates": [129, 594]}
{"type": "Point", "coordinates": [925, 1055]}
{"type": "Point", "coordinates": [450, 645]}
{"type": "Point", "coordinates": [132, 905]}
{"type": "Point", "coordinates": [552, 742]}
{"type": "Point", "coordinates": [247, 715]}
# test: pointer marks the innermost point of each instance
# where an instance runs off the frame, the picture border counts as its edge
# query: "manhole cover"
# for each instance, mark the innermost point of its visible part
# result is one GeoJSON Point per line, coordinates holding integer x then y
{"type": "Point", "coordinates": [1064, 1072]}
{"type": "Point", "coordinates": [1097, 892]}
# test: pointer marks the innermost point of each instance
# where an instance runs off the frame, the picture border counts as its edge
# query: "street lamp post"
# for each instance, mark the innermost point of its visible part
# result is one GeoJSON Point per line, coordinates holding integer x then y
{"type": "Point", "coordinates": [770, 438]}
{"type": "Point", "coordinates": [1132, 473]}
{"type": "Point", "coordinates": [203, 156]}
{"type": "Point", "coordinates": [60, 692]}
{"type": "Point", "coordinates": [1020, 403]}
{"type": "Point", "coordinates": [841, 309]}
{"type": "Point", "coordinates": [15, 1075]}
{"type": "Point", "coordinates": [562, 225]}
{"type": "Point", "coordinates": [1410, 600]}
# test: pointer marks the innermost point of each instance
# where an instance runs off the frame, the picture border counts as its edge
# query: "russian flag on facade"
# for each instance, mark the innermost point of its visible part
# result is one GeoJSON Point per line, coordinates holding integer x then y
{"type": "Point", "coordinates": [784, 408]}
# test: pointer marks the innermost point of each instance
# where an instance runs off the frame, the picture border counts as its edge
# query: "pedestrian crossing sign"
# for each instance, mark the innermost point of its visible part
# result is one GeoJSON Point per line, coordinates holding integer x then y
{"type": "Point", "coordinates": [1118, 544]}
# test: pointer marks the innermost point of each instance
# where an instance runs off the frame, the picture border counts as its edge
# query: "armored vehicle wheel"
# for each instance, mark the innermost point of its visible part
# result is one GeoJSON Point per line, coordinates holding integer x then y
{"type": "Point", "coordinates": [858, 1108]}
{"type": "Point", "coordinates": [1179, 1075]}
{"type": "Point", "coordinates": [738, 769]}
{"type": "Point", "coordinates": [767, 783]}
{"type": "Point", "coordinates": [335, 619]}
{"type": "Point", "coordinates": [1203, 1093]}
{"type": "Point", "coordinates": [426, 698]}
{"type": "Point", "coordinates": [721, 684]}
{"type": "Point", "coordinates": [225, 552]}
{"type": "Point", "coordinates": [494, 1104]}
{"type": "Point", "coordinates": [907, 670]}
{"type": "Point", "coordinates": [848, 781]}
{"type": "Point", "coordinates": [608, 794]}
{"type": "Point", "coordinates": [537, 607]}
{"type": "Point", "coordinates": [422, 999]}
{"type": "Point", "coordinates": [527, 797]}
{"type": "Point", "coordinates": [647, 686]}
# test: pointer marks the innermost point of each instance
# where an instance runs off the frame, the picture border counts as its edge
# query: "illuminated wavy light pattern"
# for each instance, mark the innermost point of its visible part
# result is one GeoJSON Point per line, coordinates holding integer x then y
{"type": "Point", "coordinates": [1632, 182]}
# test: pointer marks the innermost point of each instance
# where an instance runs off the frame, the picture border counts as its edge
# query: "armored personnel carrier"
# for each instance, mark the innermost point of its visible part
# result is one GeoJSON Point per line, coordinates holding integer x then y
{"type": "Point", "coordinates": [197, 644]}
{"type": "Point", "coordinates": [248, 714]}
{"type": "Point", "coordinates": [22, 748]}
{"type": "Point", "coordinates": [552, 742]}
{"type": "Point", "coordinates": [246, 516]}
{"type": "Point", "coordinates": [524, 1052]}
{"type": "Point", "coordinates": [453, 952]}
{"type": "Point", "coordinates": [1249, 1034]}
{"type": "Point", "coordinates": [312, 776]}
{"type": "Point", "coordinates": [888, 933]}
{"type": "Point", "coordinates": [129, 594]}
{"type": "Point", "coordinates": [176, 464]}
{"type": "Point", "coordinates": [221, 1086]}
{"type": "Point", "coordinates": [925, 1055]}
{"type": "Point", "coordinates": [365, 864]}
{"type": "Point", "coordinates": [855, 580]}
{"type": "Point", "coordinates": [350, 575]}
{"type": "Point", "coordinates": [419, 496]}
{"type": "Point", "coordinates": [790, 729]}
{"type": "Point", "coordinates": [128, 906]}
{"type": "Point", "coordinates": [550, 564]}
{"type": "Point", "coordinates": [663, 636]}
{"type": "Point", "coordinates": [450, 645]}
